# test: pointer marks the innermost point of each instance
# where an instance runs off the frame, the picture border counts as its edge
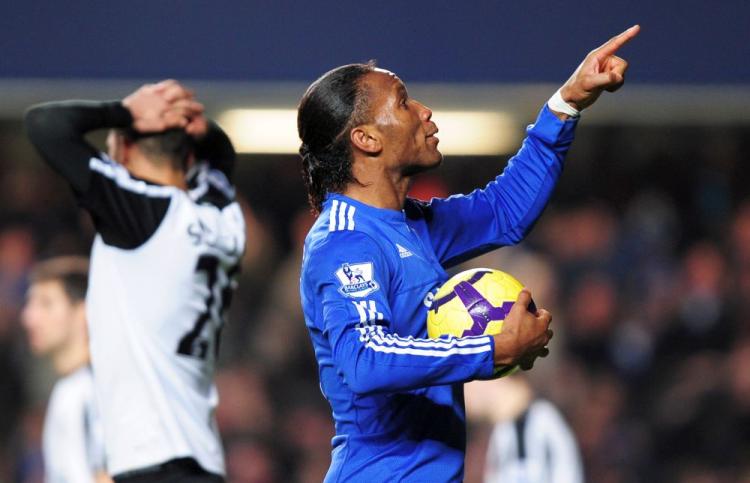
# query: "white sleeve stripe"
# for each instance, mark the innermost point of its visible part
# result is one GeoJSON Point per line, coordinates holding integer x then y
{"type": "Point", "coordinates": [437, 343]}
{"type": "Point", "coordinates": [471, 340]}
{"type": "Point", "coordinates": [332, 216]}
{"type": "Point", "coordinates": [463, 341]}
{"type": "Point", "coordinates": [351, 217]}
{"type": "Point", "coordinates": [383, 339]}
{"type": "Point", "coordinates": [342, 216]}
{"type": "Point", "coordinates": [428, 352]}
{"type": "Point", "coordinates": [374, 311]}
{"type": "Point", "coordinates": [367, 311]}
{"type": "Point", "coordinates": [362, 312]}
{"type": "Point", "coordinates": [122, 178]}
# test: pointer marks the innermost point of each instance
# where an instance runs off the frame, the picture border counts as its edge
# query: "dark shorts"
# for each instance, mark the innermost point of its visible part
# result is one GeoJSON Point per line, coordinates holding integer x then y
{"type": "Point", "coordinates": [180, 470]}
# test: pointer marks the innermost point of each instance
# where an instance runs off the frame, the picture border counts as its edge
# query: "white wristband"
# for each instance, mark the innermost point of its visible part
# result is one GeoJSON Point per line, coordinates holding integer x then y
{"type": "Point", "coordinates": [556, 103]}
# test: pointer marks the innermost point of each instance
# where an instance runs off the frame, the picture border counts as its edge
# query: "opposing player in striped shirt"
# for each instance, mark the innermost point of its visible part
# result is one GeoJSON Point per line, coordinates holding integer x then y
{"type": "Point", "coordinates": [530, 440]}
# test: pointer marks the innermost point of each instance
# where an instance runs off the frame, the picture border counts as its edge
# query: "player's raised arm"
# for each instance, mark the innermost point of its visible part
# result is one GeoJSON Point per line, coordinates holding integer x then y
{"type": "Point", "coordinates": [507, 208]}
{"type": "Point", "coordinates": [58, 129]}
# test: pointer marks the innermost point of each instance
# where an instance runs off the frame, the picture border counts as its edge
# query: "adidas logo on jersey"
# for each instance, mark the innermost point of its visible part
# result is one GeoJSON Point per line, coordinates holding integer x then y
{"type": "Point", "coordinates": [403, 252]}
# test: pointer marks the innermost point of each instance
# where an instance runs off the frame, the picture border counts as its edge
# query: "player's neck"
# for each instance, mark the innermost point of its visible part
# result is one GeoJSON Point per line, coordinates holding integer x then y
{"type": "Point", "coordinates": [379, 188]}
{"type": "Point", "coordinates": [71, 357]}
{"type": "Point", "coordinates": [163, 174]}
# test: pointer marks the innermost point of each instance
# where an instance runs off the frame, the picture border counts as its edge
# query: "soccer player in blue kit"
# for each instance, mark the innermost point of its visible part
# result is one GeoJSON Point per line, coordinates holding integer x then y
{"type": "Point", "coordinates": [374, 259]}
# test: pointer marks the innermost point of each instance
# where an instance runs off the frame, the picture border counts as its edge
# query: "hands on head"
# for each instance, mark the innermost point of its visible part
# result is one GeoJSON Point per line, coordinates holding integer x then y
{"type": "Point", "coordinates": [166, 105]}
{"type": "Point", "coordinates": [525, 335]}
{"type": "Point", "coordinates": [601, 70]}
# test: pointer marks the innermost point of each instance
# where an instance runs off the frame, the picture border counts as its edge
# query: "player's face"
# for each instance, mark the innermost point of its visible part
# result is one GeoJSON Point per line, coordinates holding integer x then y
{"type": "Point", "coordinates": [408, 132]}
{"type": "Point", "coordinates": [49, 317]}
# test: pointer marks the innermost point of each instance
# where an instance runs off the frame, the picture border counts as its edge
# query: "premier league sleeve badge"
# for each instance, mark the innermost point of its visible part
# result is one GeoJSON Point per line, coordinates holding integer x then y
{"type": "Point", "coordinates": [356, 279]}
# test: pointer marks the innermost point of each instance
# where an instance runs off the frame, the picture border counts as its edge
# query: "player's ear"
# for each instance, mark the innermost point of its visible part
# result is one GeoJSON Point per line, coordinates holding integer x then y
{"type": "Point", "coordinates": [367, 139]}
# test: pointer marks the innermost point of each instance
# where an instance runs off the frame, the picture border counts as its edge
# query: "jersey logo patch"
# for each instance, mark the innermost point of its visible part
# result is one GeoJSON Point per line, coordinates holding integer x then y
{"type": "Point", "coordinates": [403, 252]}
{"type": "Point", "coordinates": [356, 279]}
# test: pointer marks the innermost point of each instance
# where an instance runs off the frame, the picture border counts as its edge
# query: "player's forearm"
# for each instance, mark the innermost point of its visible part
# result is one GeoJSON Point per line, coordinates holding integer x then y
{"type": "Point", "coordinates": [527, 183]}
{"type": "Point", "coordinates": [381, 362]}
{"type": "Point", "coordinates": [58, 130]}
{"type": "Point", "coordinates": [216, 148]}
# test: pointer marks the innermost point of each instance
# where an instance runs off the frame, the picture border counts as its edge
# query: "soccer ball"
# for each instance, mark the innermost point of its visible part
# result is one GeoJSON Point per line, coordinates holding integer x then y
{"type": "Point", "coordinates": [474, 302]}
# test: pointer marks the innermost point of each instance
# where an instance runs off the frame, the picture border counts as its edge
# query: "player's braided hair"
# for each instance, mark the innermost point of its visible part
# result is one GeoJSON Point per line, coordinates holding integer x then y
{"type": "Point", "coordinates": [331, 107]}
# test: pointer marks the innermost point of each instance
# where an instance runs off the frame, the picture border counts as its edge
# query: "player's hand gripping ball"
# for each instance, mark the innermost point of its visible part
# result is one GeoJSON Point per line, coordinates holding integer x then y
{"type": "Point", "coordinates": [474, 302]}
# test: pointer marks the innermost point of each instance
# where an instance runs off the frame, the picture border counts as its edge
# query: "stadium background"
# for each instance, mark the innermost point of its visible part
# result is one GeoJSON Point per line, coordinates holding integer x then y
{"type": "Point", "coordinates": [643, 256]}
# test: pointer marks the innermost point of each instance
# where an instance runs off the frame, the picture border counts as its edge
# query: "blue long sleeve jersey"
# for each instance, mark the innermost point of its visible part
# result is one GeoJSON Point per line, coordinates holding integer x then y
{"type": "Point", "coordinates": [368, 277]}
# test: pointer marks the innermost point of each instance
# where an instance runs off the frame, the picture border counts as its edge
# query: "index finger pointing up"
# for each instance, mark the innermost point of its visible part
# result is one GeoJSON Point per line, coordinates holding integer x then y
{"type": "Point", "coordinates": [612, 45]}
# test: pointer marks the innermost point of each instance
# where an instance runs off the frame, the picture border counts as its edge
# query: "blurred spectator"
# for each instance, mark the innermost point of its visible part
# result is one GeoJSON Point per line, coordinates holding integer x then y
{"type": "Point", "coordinates": [308, 431]}
{"type": "Point", "coordinates": [256, 266]}
{"type": "Point", "coordinates": [250, 460]}
{"type": "Point", "coordinates": [592, 315]}
{"type": "Point", "coordinates": [16, 256]}
{"type": "Point", "coordinates": [279, 340]}
{"type": "Point", "coordinates": [244, 401]}
{"type": "Point", "coordinates": [702, 320]}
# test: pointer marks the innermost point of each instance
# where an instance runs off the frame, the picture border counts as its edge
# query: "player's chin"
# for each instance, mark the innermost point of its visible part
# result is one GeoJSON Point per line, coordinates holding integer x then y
{"type": "Point", "coordinates": [432, 157]}
{"type": "Point", "coordinates": [425, 163]}
{"type": "Point", "coordinates": [437, 160]}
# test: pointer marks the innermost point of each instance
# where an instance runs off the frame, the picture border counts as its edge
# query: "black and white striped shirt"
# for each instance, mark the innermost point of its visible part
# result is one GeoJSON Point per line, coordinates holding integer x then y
{"type": "Point", "coordinates": [536, 447]}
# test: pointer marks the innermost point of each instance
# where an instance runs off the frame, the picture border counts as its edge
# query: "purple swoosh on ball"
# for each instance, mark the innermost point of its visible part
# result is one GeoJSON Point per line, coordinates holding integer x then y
{"type": "Point", "coordinates": [437, 303]}
{"type": "Point", "coordinates": [481, 311]}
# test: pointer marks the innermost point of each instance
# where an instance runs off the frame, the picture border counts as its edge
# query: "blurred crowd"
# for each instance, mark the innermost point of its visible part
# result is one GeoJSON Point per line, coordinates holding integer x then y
{"type": "Point", "coordinates": [643, 258]}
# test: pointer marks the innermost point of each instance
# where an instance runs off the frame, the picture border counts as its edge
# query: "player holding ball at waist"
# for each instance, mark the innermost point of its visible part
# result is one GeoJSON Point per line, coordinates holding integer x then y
{"type": "Point", "coordinates": [375, 258]}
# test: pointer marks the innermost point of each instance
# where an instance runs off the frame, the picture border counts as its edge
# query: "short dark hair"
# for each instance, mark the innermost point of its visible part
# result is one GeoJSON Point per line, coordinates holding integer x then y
{"type": "Point", "coordinates": [71, 271]}
{"type": "Point", "coordinates": [329, 109]}
{"type": "Point", "coordinates": [173, 145]}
